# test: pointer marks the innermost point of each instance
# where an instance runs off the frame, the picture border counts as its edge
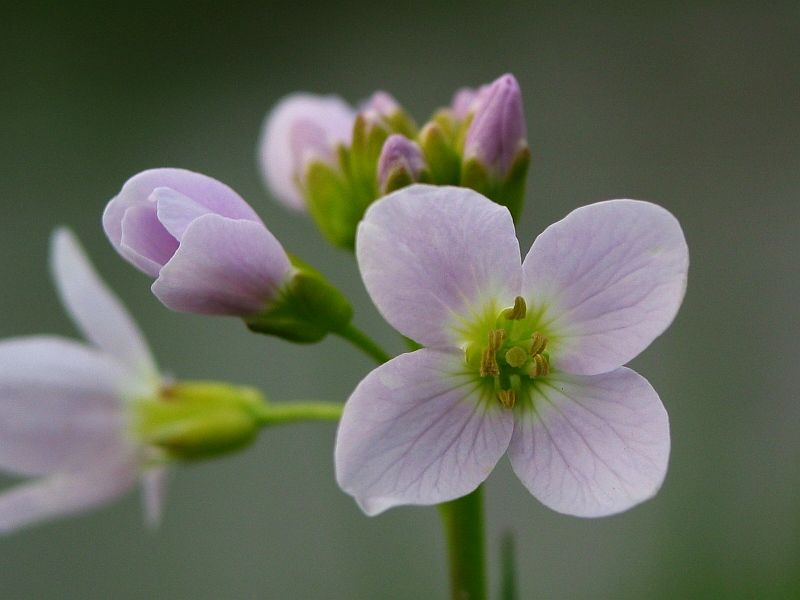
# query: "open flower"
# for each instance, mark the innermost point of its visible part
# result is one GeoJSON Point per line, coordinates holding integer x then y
{"type": "Point", "coordinates": [64, 415]}
{"type": "Point", "coordinates": [522, 357]}
{"type": "Point", "coordinates": [207, 249]}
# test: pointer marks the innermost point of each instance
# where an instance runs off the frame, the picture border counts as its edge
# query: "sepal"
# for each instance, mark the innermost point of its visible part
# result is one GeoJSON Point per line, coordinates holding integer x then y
{"type": "Point", "coordinates": [307, 309]}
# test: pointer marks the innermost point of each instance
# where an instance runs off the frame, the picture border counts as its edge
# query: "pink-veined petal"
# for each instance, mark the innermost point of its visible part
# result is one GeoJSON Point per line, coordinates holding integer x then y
{"type": "Point", "coordinates": [154, 494]}
{"type": "Point", "coordinates": [610, 277]}
{"type": "Point", "coordinates": [416, 431]}
{"type": "Point", "coordinates": [223, 267]}
{"type": "Point", "coordinates": [68, 492]}
{"type": "Point", "coordinates": [60, 404]}
{"type": "Point", "coordinates": [592, 445]}
{"type": "Point", "coordinates": [94, 308]}
{"type": "Point", "coordinates": [434, 259]}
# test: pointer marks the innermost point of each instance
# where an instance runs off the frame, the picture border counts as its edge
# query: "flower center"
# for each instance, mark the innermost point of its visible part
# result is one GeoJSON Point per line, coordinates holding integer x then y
{"type": "Point", "coordinates": [513, 354]}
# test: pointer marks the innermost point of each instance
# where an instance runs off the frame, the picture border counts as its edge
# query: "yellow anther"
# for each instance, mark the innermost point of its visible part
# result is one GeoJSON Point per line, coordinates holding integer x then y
{"type": "Point", "coordinates": [538, 343]}
{"type": "Point", "coordinates": [516, 312]}
{"type": "Point", "coordinates": [489, 364]}
{"type": "Point", "coordinates": [508, 398]}
{"type": "Point", "coordinates": [539, 366]}
{"type": "Point", "coordinates": [496, 337]}
{"type": "Point", "coordinates": [516, 357]}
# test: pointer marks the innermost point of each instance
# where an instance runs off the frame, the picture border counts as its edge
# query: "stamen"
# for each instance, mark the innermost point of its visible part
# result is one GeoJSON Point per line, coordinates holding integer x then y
{"type": "Point", "coordinates": [516, 312]}
{"type": "Point", "coordinates": [508, 398]}
{"type": "Point", "coordinates": [516, 357]}
{"type": "Point", "coordinates": [496, 337]}
{"type": "Point", "coordinates": [539, 366]}
{"type": "Point", "coordinates": [489, 364]}
{"type": "Point", "coordinates": [538, 343]}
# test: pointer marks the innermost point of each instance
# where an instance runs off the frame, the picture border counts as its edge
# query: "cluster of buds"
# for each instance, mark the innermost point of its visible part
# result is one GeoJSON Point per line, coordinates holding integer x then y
{"type": "Point", "coordinates": [320, 155]}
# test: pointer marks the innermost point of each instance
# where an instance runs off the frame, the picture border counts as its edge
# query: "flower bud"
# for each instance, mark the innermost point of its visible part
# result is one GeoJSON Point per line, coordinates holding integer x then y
{"type": "Point", "coordinates": [401, 163]}
{"type": "Point", "coordinates": [301, 129]}
{"type": "Point", "coordinates": [496, 135]}
{"type": "Point", "coordinates": [197, 420]}
{"type": "Point", "coordinates": [382, 109]}
{"type": "Point", "coordinates": [207, 249]}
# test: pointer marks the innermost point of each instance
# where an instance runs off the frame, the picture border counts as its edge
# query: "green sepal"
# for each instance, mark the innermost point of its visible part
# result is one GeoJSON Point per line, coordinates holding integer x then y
{"type": "Point", "coordinates": [509, 192]}
{"type": "Point", "coordinates": [198, 420]}
{"type": "Point", "coordinates": [306, 310]}
{"type": "Point", "coordinates": [329, 199]}
{"type": "Point", "coordinates": [443, 161]}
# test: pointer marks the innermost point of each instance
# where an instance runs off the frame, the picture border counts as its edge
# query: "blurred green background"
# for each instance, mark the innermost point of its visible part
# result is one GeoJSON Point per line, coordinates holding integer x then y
{"type": "Point", "coordinates": [691, 105]}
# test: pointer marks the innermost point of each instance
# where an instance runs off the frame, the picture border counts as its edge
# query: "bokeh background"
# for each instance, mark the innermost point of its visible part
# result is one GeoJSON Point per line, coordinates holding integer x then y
{"type": "Point", "coordinates": [691, 105]}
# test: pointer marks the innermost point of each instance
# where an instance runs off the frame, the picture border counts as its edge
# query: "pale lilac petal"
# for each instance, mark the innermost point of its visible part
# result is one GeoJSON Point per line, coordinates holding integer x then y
{"type": "Point", "coordinates": [463, 102]}
{"type": "Point", "coordinates": [144, 242]}
{"type": "Point", "coordinates": [60, 404]}
{"type": "Point", "coordinates": [209, 192]}
{"type": "Point", "coordinates": [224, 267]}
{"type": "Point", "coordinates": [154, 494]}
{"type": "Point", "coordinates": [436, 259]}
{"type": "Point", "coordinates": [67, 492]}
{"type": "Point", "coordinates": [176, 211]}
{"type": "Point", "coordinates": [131, 223]}
{"type": "Point", "coordinates": [592, 446]}
{"type": "Point", "coordinates": [610, 278]}
{"type": "Point", "coordinates": [417, 431]}
{"type": "Point", "coordinates": [300, 128]}
{"type": "Point", "coordinates": [94, 308]}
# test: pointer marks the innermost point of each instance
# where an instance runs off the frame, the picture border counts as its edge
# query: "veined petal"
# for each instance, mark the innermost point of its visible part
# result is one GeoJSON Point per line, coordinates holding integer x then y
{"type": "Point", "coordinates": [592, 446]}
{"type": "Point", "coordinates": [434, 258]}
{"type": "Point", "coordinates": [67, 492]}
{"type": "Point", "coordinates": [610, 278]}
{"type": "Point", "coordinates": [154, 493]}
{"type": "Point", "coordinates": [94, 308]}
{"type": "Point", "coordinates": [416, 431]}
{"type": "Point", "coordinates": [60, 404]}
{"type": "Point", "coordinates": [224, 267]}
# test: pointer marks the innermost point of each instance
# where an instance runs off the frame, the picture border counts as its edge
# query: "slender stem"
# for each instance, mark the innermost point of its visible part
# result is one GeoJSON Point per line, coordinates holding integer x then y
{"type": "Point", "coordinates": [362, 341]}
{"type": "Point", "coordinates": [465, 536]}
{"type": "Point", "coordinates": [291, 412]}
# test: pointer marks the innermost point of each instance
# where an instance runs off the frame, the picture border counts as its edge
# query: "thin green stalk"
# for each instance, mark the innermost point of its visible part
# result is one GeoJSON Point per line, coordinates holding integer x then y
{"type": "Point", "coordinates": [363, 342]}
{"type": "Point", "coordinates": [466, 552]}
{"type": "Point", "coordinates": [291, 412]}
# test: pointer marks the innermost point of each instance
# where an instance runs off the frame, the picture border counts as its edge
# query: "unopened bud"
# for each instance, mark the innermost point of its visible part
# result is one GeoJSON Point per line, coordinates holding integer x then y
{"type": "Point", "coordinates": [401, 163]}
{"type": "Point", "coordinates": [497, 132]}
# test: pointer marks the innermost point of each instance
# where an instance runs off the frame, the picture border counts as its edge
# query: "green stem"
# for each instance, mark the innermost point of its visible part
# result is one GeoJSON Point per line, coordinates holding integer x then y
{"type": "Point", "coordinates": [465, 536]}
{"type": "Point", "coordinates": [363, 342]}
{"type": "Point", "coordinates": [291, 412]}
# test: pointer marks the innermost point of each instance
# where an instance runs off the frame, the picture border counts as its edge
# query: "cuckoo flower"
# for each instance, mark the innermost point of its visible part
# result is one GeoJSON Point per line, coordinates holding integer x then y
{"type": "Point", "coordinates": [523, 357]}
{"type": "Point", "coordinates": [64, 405]}
{"type": "Point", "coordinates": [207, 249]}
{"type": "Point", "coordinates": [302, 128]}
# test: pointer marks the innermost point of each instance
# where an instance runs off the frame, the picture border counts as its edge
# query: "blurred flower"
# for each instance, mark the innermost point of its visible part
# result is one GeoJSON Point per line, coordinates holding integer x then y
{"type": "Point", "coordinates": [302, 128]}
{"type": "Point", "coordinates": [65, 406]}
{"type": "Point", "coordinates": [207, 249]}
{"type": "Point", "coordinates": [522, 357]}
{"type": "Point", "coordinates": [401, 163]}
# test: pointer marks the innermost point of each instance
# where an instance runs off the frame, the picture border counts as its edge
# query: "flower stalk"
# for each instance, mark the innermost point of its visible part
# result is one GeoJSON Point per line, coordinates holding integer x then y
{"type": "Point", "coordinates": [466, 546]}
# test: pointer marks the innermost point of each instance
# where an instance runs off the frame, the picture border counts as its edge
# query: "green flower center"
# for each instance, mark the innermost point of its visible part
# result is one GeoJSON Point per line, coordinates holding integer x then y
{"type": "Point", "coordinates": [511, 355]}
